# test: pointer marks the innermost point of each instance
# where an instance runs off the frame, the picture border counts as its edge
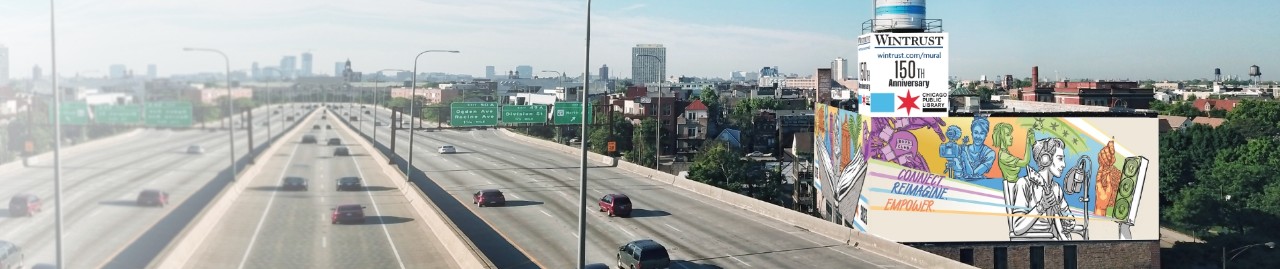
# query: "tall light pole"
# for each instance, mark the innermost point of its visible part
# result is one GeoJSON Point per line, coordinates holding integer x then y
{"type": "Point", "coordinates": [377, 101]}
{"type": "Point", "coordinates": [57, 140]}
{"type": "Point", "coordinates": [270, 139]}
{"type": "Point", "coordinates": [559, 74]}
{"type": "Point", "coordinates": [582, 188]}
{"type": "Point", "coordinates": [1240, 250]}
{"type": "Point", "coordinates": [413, 94]}
{"type": "Point", "coordinates": [561, 129]}
{"type": "Point", "coordinates": [657, 132]}
{"type": "Point", "coordinates": [231, 108]}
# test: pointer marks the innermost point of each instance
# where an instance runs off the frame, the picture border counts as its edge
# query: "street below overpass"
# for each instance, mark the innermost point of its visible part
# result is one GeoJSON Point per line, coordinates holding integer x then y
{"type": "Point", "coordinates": [541, 216]}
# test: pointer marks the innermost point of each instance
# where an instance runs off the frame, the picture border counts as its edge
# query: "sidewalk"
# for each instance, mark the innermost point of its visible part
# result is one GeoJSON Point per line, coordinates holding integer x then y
{"type": "Point", "coordinates": [1169, 237]}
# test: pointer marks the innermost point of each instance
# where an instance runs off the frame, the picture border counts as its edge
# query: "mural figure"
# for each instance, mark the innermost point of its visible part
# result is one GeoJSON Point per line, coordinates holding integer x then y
{"type": "Point", "coordinates": [891, 140]}
{"type": "Point", "coordinates": [951, 151]}
{"type": "Point", "coordinates": [1010, 165]}
{"type": "Point", "coordinates": [1108, 179]}
{"type": "Point", "coordinates": [1038, 202]}
{"type": "Point", "coordinates": [976, 158]}
{"type": "Point", "coordinates": [1127, 195]}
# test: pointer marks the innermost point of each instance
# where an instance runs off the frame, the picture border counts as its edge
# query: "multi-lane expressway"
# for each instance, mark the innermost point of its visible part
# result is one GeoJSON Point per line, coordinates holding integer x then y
{"type": "Point", "coordinates": [268, 227]}
{"type": "Point", "coordinates": [540, 220]}
{"type": "Point", "coordinates": [100, 181]}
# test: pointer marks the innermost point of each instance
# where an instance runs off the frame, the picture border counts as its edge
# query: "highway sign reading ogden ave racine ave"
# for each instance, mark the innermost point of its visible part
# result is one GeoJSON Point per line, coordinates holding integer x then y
{"type": "Point", "coordinates": [463, 114]}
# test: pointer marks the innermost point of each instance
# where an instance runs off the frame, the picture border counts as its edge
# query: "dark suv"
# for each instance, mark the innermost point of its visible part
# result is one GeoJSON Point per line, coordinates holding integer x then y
{"type": "Point", "coordinates": [294, 184]}
{"type": "Point", "coordinates": [153, 198]}
{"type": "Point", "coordinates": [308, 139]}
{"type": "Point", "coordinates": [348, 214]}
{"type": "Point", "coordinates": [24, 205]}
{"type": "Point", "coordinates": [489, 197]}
{"type": "Point", "coordinates": [643, 253]}
{"type": "Point", "coordinates": [335, 141]}
{"type": "Point", "coordinates": [616, 204]}
{"type": "Point", "coordinates": [349, 184]}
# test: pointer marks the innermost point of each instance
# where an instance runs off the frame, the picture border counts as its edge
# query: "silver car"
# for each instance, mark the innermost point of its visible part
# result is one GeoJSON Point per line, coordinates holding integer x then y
{"type": "Point", "coordinates": [195, 149]}
{"type": "Point", "coordinates": [447, 149]}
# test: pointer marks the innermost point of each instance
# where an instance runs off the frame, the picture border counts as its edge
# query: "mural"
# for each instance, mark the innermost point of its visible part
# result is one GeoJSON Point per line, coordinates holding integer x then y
{"type": "Point", "coordinates": [989, 179]}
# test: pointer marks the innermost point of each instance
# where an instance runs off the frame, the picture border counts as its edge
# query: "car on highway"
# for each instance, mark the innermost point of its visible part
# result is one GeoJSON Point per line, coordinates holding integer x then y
{"type": "Point", "coordinates": [341, 151]}
{"type": "Point", "coordinates": [308, 139]}
{"type": "Point", "coordinates": [24, 204]}
{"type": "Point", "coordinates": [616, 204]}
{"type": "Point", "coordinates": [328, 127]}
{"type": "Point", "coordinates": [350, 184]}
{"type": "Point", "coordinates": [335, 141]}
{"type": "Point", "coordinates": [644, 253]}
{"type": "Point", "coordinates": [289, 118]}
{"type": "Point", "coordinates": [366, 112]}
{"type": "Point", "coordinates": [351, 213]}
{"type": "Point", "coordinates": [315, 127]}
{"type": "Point", "coordinates": [377, 123]}
{"type": "Point", "coordinates": [294, 184]}
{"type": "Point", "coordinates": [489, 197]}
{"type": "Point", "coordinates": [11, 255]}
{"type": "Point", "coordinates": [195, 149]}
{"type": "Point", "coordinates": [447, 149]}
{"type": "Point", "coordinates": [153, 198]}
{"type": "Point", "coordinates": [324, 117]}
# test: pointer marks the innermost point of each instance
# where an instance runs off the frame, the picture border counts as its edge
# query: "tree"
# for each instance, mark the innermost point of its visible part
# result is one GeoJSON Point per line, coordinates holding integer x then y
{"type": "Point", "coordinates": [622, 132]}
{"type": "Point", "coordinates": [1255, 118]}
{"type": "Point", "coordinates": [642, 144]}
{"type": "Point", "coordinates": [718, 166]}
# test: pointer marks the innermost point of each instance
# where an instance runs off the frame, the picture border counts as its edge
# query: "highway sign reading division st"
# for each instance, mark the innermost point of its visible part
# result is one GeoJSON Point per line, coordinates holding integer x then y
{"type": "Point", "coordinates": [169, 114]}
{"type": "Point", "coordinates": [524, 114]}
{"type": "Point", "coordinates": [462, 114]}
{"type": "Point", "coordinates": [117, 114]}
{"type": "Point", "coordinates": [568, 113]}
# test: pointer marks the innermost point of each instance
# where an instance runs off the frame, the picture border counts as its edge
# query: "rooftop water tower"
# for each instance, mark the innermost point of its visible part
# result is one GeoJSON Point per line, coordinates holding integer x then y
{"type": "Point", "coordinates": [1255, 74]}
{"type": "Point", "coordinates": [1217, 74]}
{"type": "Point", "coordinates": [901, 16]}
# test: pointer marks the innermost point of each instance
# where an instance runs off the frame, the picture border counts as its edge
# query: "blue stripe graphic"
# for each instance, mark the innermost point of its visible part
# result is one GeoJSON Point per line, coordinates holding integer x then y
{"type": "Point", "coordinates": [894, 10]}
{"type": "Point", "coordinates": [882, 102]}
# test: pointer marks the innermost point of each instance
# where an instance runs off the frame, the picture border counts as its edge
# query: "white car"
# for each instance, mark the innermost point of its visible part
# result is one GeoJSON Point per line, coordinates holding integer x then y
{"type": "Point", "coordinates": [195, 149]}
{"type": "Point", "coordinates": [446, 150]}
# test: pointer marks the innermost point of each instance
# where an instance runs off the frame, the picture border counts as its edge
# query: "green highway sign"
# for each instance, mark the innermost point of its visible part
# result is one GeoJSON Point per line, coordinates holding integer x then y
{"type": "Point", "coordinates": [117, 114]}
{"type": "Point", "coordinates": [73, 113]}
{"type": "Point", "coordinates": [169, 114]}
{"type": "Point", "coordinates": [568, 113]}
{"type": "Point", "coordinates": [463, 114]}
{"type": "Point", "coordinates": [524, 114]}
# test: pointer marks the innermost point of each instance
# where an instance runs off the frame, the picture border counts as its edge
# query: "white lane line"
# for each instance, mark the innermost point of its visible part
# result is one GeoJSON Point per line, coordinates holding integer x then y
{"type": "Point", "coordinates": [378, 211]}
{"type": "Point", "coordinates": [740, 261]}
{"type": "Point", "coordinates": [324, 242]}
{"type": "Point", "coordinates": [514, 196]}
{"type": "Point", "coordinates": [544, 212]}
{"type": "Point", "coordinates": [673, 227]}
{"type": "Point", "coordinates": [267, 210]}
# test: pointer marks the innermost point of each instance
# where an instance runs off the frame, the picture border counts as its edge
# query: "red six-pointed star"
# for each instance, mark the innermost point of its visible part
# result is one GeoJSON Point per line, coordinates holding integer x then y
{"type": "Point", "coordinates": [908, 102]}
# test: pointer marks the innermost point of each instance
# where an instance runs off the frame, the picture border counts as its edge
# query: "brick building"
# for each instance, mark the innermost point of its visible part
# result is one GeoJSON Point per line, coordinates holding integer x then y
{"type": "Point", "coordinates": [1067, 255]}
{"type": "Point", "coordinates": [1093, 93]}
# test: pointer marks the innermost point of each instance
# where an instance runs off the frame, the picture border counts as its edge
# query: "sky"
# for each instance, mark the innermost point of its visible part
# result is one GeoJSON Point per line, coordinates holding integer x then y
{"type": "Point", "coordinates": [1094, 39]}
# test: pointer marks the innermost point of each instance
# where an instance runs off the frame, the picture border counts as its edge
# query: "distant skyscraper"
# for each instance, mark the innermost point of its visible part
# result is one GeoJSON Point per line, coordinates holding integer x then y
{"type": "Point", "coordinates": [645, 69]}
{"type": "Point", "coordinates": [255, 72]}
{"type": "Point", "coordinates": [306, 65]}
{"type": "Point", "coordinates": [4, 65]}
{"type": "Point", "coordinates": [289, 66]}
{"type": "Point", "coordinates": [151, 71]}
{"type": "Point", "coordinates": [489, 72]}
{"type": "Point", "coordinates": [839, 69]}
{"type": "Point", "coordinates": [117, 71]}
{"type": "Point", "coordinates": [337, 68]}
{"type": "Point", "coordinates": [525, 71]}
{"type": "Point", "coordinates": [604, 72]}
{"type": "Point", "coordinates": [36, 73]}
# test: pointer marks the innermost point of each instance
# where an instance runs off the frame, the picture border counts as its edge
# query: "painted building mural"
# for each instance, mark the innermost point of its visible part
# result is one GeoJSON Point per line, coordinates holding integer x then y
{"type": "Point", "coordinates": [988, 179]}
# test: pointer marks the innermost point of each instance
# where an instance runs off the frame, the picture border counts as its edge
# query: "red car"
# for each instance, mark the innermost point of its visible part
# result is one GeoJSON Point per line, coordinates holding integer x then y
{"type": "Point", "coordinates": [24, 205]}
{"type": "Point", "coordinates": [153, 198]}
{"type": "Point", "coordinates": [489, 197]}
{"type": "Point", "coordinates": [616, 204]}
{"type": "Point", "coordinates": [347, 214]}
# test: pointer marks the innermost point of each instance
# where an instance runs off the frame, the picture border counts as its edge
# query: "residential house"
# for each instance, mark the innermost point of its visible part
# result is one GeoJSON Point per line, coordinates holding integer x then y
{"type": "Point", "coordinates": [1207, 105]}
{"type": "Point", "coordinates": [692, 128]}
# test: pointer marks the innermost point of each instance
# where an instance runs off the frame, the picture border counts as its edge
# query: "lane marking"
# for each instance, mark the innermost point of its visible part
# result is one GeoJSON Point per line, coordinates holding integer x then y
{"type": "Point", "coordinates": [324, 242]}
{"type": "Point", "coordinates": [544, 212]}
{"type": "Point", "coordinates": [267, 210]}
{"type": "Point", "coordinates": [740, 261]}
{"type": "Point", "coordinates": [381, 220]}
{"type": "Point", "coordinates": [673, 227]}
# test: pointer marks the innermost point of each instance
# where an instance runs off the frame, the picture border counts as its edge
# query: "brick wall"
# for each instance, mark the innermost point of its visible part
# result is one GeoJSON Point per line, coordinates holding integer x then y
{"type": "Point", "coordinates": [1105, 254]}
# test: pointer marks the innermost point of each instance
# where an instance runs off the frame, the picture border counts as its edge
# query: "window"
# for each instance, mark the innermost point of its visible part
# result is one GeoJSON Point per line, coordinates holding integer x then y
{"type": "Point", "coordinates": [966, 256]}
{"type": "Point", "coordinates": [1000, 257]}
{"type": "Point", "coordinates": [1037, 257]}
{"type": "Point", "coordinates": [1069, 257]}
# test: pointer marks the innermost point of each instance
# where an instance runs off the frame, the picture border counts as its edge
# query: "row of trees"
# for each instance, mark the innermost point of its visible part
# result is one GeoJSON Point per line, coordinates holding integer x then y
{"type": "Point", "coordinates": [1223, 184]}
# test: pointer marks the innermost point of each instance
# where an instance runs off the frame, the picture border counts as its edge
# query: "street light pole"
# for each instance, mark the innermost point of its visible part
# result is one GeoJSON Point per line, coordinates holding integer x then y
{"type": "Point", "coordinates": [376, 102]}
{"type": "Point", "coordinates": [1240, 250]}
{"type": "Point", "coordinates": [582, 189]}
{"type": "Point", "coordinates": [231, 109]}
{"type": "Point", "coordinates": [413, 94]}
{"type": "Point", "coordinates": [57, 141]}
{"type": "Point", "coordinates": [657, 132]}
{"type": "Point", "coordinates": [561, 129]}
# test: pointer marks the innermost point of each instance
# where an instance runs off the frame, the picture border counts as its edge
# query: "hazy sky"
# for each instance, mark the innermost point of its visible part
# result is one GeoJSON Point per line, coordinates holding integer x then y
{"type": "Point", "coordinates": [1101, 39]}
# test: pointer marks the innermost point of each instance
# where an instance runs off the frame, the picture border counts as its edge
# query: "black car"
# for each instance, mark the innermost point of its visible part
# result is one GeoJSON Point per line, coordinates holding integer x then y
{"type": "Point", "coordinates": [489, 197]}
{"type": "Point", "coordinates": [308, 139]}
{"type": "Point", "coordinates": [335, 141]}
{"type": "Point", "coordinates": [643, 253]}
{"type": "Point", "coordinates": [350, 184]}
{"type": "Point", "coordinates": [153, 198]}
{"type": "Point", "coordinates": [328, 127]}
{"type": "Point", "coordinates": [316, 127]}
{"type": "Point", "coordinates": [341, 151]}
{"type": "Point", "coordinates": [294, 184]}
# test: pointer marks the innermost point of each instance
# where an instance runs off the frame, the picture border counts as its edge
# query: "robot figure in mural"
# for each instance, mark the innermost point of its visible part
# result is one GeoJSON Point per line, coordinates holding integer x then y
{"type": "Point", "coordinates": [976, 158]}
{"type": "Point", "coordinates": [951, 151]}
{"type": "Point", "coordinates": [891, 140]}
{"type": "Point", "coordinates": [1038, 202]}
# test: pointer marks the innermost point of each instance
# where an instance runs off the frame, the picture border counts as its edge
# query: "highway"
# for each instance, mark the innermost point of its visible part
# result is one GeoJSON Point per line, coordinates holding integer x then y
{"type": "Point", "coordinates": [271, 228]}
{"type": "Point", "coordinates": [101, 180]}
{"type": "Point", "coordinates": [541, 217]}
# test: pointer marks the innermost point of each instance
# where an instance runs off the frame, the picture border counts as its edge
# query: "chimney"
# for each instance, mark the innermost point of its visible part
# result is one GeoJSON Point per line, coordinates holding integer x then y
{"type": "Point", "coordinates": [1035, 77]}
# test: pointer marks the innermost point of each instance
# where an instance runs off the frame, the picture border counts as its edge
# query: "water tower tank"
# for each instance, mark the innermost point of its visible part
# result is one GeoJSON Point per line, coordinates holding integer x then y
{"type": "Point", "coordinates": [1217, 71]}
{"type": "Point", "coordinates": [899, 16]}
{"type": "Point", "coordinates": [1255, 71]}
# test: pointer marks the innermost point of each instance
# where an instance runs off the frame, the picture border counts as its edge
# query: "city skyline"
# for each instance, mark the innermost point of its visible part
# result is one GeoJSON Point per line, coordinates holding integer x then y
{"type": "Point", "coordinates": [1143, 39]}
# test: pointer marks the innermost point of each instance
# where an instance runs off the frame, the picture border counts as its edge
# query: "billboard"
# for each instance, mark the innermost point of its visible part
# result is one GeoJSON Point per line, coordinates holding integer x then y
{"type": "Point", "coordinates": [904, 74]}
{"type": "Point", "coordinates": [982, 179]}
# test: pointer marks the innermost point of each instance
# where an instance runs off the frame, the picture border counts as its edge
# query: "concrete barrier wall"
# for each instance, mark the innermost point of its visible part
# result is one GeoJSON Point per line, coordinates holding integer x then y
{"type": "Point", "coordinates": [189, 241]}
{"type": "Point", "coordinates": [906, 254]}
{"type": "Point", "coordinates": [463, 251]}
